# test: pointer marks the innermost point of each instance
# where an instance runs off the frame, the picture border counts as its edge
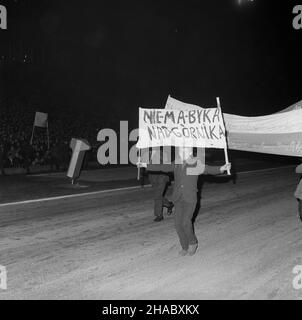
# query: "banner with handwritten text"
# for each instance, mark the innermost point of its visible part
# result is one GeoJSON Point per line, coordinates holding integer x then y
{"type": "Point", "coordinates": [192, 128]}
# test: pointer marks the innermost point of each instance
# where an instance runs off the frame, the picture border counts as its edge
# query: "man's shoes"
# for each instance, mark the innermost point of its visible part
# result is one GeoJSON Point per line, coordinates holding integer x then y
{"type": "Point", "coordinates": [182, 252]}
{"type": "Point", "coordinates": [192, 249]}
{"type": "Point", "coordinates": [159, 218]}
{"type": "Point", "coordinates": [170, 208]}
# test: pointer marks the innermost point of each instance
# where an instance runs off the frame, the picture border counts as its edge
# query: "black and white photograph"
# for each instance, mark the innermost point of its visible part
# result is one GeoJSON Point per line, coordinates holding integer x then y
{"type": "Point", "coordinates": [150, 151]}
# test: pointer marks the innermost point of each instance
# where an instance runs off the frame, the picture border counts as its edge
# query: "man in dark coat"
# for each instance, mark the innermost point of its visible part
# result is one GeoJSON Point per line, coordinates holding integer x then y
{"type": "Point", "coordinates": [159, 181]}
{"type": "Point", "coordinates": [60, 155]}
{"type": "Point", "coordinates": [28, 155]}
{"type": "Point", "coordinates": [185, 193]}
{"type": "Point", "coordinates": [298, 192]}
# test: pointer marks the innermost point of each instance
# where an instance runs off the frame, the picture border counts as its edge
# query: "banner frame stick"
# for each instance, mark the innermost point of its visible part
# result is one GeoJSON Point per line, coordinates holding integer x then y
{"type": "Point", "coordinates": [32, 135]}
{"type": "Point", "coordinates": [47, 134]}
{"type": "Point", "coordinates": [225, 148]}
{"type": "Point", "coordinates": [138, 168]}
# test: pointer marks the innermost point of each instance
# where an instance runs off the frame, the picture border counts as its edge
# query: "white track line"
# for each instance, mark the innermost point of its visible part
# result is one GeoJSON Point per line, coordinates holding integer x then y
{"type": "Point", "coordinates": [68, 196]}
{"type": "Point", "coordinates": [267, 169]}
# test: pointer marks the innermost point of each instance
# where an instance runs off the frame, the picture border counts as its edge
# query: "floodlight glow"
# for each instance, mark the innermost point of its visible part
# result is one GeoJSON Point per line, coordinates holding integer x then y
{"type": "Point", "coordinates": [244, 1]}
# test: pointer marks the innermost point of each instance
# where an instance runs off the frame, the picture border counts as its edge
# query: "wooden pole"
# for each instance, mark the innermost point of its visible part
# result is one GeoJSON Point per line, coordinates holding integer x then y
{"type": "Point", "coordinates": [32, 135]}
{"type": "Point", "coordinates": [47, 134]}
{"type": "Point", "coordinates": [225, 148]}
{"type": "Point", "coordinates": [138, 168]}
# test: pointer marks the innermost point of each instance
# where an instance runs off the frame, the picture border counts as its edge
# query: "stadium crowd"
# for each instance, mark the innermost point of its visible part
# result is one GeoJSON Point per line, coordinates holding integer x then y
{"type": "Point", "coordinates": [16, 124]}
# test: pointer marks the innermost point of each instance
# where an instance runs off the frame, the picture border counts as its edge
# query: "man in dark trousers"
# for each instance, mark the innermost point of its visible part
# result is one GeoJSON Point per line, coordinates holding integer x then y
{"type": "Point", "coordinates": [28, 155]}
{"type": "Point", "coordinates": [186, 170]}
{"type": "Point", "coordinates": [60, 155]}
{"type": "Point", "coordinates": [298, 192]}
{"type": "Point", "coordinates": [159, 181]}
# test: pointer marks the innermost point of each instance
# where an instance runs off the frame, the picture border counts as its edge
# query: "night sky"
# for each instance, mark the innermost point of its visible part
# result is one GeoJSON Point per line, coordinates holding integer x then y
{"type": "Point", "coordinates": [112, 57]}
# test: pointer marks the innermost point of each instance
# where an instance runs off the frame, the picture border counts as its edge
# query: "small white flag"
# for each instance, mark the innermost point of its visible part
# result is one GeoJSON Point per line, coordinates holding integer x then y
{"type": "Point", "coordinates": [41, 119]}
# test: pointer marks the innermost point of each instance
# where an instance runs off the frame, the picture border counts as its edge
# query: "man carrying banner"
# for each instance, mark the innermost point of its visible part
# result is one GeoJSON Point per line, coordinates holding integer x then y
{"type": "Point", "coordinates": [184, 129]}
{"type": "Point", "coordinates": [185, 192]}
{"type": "Point", "coordinates": [159, 181]}
{"type": "Point", "coordinates": [298, 192]}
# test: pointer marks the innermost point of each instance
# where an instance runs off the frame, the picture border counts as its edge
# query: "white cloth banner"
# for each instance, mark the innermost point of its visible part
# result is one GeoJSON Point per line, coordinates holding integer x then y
{"type": "Point", "coordinates": [288, 122]}
{"type": "Point", "coordinates": [202, 128]}
{"type": "Point", "coordinates": [278, 133]}
{"type": "Point", "coordinates": [179, 105]}
{"type": "Point", "coordinates": [295, 106]}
